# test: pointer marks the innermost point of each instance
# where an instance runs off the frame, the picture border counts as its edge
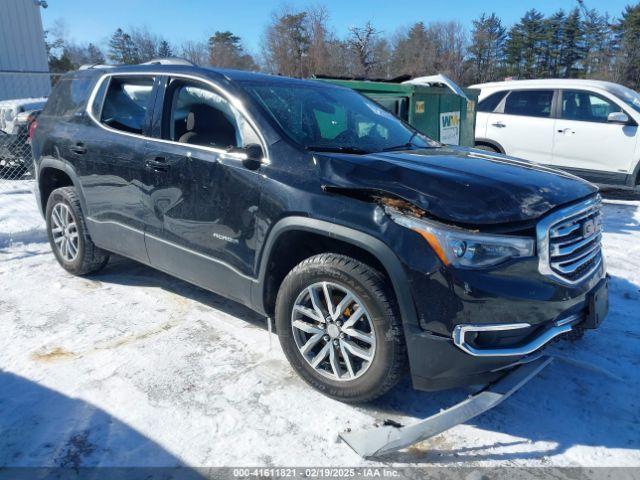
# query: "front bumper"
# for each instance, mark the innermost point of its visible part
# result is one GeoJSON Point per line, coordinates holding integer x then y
{"type": "Point", "coordinates": [490, 322]}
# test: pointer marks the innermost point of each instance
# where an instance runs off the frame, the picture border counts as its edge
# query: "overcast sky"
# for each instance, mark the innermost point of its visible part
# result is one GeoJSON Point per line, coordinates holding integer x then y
{"type": "Point", "coordinates": [179, 20]}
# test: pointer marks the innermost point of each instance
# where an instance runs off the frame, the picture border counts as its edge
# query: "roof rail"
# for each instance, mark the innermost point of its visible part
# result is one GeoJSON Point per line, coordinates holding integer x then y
{"type": "Point", "coordinates": [169, 61]}
{"type": "Point", "coordinates": [89, 66]}
{"type": "Point", "coordinates": [398, 79]}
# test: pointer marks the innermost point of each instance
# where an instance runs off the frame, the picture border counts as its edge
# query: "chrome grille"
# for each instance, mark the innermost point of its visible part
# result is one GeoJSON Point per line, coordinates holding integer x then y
{"type": "Point", "coordinates": [569, 241]}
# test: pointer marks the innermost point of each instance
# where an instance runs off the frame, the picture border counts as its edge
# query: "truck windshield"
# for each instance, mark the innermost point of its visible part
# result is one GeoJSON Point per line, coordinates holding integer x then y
{"type": "Point", "coordinates": [324, 118]}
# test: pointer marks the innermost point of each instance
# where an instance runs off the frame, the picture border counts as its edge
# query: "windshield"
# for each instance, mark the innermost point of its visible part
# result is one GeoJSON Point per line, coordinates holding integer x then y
{"type": "Point", "coordinates": [324, 118]}
{"type": "Point", "coordinates": [628, 96]}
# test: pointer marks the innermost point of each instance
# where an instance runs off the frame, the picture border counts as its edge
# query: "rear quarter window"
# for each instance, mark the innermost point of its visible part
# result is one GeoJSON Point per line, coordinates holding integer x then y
{"type": "Point", "coordinates": [69, 96]}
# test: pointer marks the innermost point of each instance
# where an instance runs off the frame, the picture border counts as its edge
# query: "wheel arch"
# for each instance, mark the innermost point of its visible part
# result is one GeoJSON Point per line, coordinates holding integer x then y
{"type": "Point", "coordinates": [52, 174]}
{"type": "Point", "coordinates": [335, 238]}
{"type": "Point", "coordinates": [489, 143]}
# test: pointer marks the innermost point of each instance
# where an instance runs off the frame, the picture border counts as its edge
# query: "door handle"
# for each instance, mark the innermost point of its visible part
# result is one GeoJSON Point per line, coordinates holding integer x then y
{"type": "Point", "coordinates": [498, 125]}
{"type": "Point", "coordinates": [78, 148]}
{"type": "Point", "coordinates": [566, 131]}
{"type": "Point", "coordinates": [157, 164]}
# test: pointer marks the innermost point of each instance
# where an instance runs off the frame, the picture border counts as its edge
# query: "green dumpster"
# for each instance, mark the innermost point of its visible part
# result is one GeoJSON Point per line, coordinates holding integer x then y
{"type": "Point", "coordinates": [436, 111]}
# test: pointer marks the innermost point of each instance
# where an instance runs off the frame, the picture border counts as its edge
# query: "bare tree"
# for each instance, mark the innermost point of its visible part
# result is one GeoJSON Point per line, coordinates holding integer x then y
{"type": "Point", "coordinates": [195, 52]}
{"type": "Point", "coordinates": [321, 39]}
{"type": "Point", "coordinates": [146, 43]}
{"type": "Point", "coordinates": [83, 54]}
{"type": "Point", "coordinates": [451, 41]}
{"type": "Point", "coordinates": [363, 41]}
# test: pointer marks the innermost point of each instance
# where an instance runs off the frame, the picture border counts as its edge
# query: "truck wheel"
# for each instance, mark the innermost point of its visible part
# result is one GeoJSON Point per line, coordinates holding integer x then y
{"type": "Point", "coordinates": [68, 235]}
{"type": "Point", "coordinates": [339, 327]}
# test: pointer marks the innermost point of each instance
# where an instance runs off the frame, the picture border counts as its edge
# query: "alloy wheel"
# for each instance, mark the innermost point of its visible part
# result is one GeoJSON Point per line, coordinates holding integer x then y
{"type": "Point", "coordinates": [333, 331]}
{"type": "Point", "coordinates": [65, 232]}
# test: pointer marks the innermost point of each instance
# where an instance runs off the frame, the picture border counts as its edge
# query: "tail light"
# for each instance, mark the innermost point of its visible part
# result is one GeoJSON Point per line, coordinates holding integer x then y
{"type": "Point", "coordinates": [32, 128]}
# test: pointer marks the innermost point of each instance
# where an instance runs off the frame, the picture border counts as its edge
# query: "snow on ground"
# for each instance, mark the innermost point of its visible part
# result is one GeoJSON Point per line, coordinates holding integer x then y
{"type": "Point", "coordinates": [133, 367]}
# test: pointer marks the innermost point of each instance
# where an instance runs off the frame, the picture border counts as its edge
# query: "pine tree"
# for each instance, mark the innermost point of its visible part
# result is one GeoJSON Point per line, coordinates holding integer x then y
{"type": "Point", "coordinates": [226, 50]}
{"type": "Point", "coordinates": [486, 51]}
{"type": "Point", "coordinates": [414, 53]}
{"type": "Point", "coordinates": [122, 50]}
{"type": "Point", "coordinates": [61, 64]}
{"type": "Point", "coordinates": [628, 38]}
{"type": "Point", "coordinates": [164, 49]}
{"type": "Point", "coordinates": [572, 44]}
{"type": "Point", "coordinates": [525, 45]}
{"type": "Point", "coordinates": [94, 54]}
{"type": "Point", "coordinates": [598, 44]}
{"type": "Point", "coordinates": [553, 44]}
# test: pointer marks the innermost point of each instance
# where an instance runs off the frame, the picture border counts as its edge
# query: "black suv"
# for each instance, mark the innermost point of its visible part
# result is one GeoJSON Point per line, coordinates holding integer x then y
{"type": "Point", "coordinates": [372, 245]}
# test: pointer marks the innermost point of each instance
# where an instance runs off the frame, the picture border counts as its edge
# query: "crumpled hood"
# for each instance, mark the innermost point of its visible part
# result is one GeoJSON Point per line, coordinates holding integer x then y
{"type": "Point", "coordinates": [456, 184]}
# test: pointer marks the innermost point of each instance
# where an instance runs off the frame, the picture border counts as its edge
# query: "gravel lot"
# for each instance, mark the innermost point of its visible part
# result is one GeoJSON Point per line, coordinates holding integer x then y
{"type": "Point", "coordinates": [131, 367]}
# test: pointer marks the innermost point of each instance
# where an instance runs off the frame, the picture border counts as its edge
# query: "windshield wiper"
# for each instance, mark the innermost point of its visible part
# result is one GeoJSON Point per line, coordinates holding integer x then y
{"type": "Point", "coordinates": [409, 143]}
{"type": "Point", "coordinates": [398, 147]}
{"type": "Point", "coordinates": [345, 149]}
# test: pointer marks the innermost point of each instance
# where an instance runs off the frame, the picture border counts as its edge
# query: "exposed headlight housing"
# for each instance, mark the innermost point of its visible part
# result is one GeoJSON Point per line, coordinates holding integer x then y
{"type": "Point", "coordinates": [463, 248]}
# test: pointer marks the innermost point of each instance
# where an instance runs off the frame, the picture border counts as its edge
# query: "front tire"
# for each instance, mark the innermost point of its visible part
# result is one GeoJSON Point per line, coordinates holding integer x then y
{"type": "Point", "coordinates": [68, 234]}
{"type": "Point", "coordinates": [339, 327]}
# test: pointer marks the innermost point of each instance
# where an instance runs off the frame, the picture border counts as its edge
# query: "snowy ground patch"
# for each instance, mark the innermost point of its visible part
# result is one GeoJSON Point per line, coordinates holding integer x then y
{"type": "Point", "coordinates": [133, 367]}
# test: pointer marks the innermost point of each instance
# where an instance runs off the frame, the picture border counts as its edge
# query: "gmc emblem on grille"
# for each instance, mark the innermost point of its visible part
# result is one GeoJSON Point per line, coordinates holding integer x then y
{"type": "Point", "coordinates": [588, 228]}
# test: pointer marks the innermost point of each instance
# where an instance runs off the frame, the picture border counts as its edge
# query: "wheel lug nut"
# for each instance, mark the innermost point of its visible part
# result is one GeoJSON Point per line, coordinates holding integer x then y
{"type": "Point", "coordinates": [343, 335]}
{"type": "Point", "coordinates": [326, 338]}
{"type": "Point", "coordinates": [339, 323]}
{"type": "Point", "coordinates": [335, 342]}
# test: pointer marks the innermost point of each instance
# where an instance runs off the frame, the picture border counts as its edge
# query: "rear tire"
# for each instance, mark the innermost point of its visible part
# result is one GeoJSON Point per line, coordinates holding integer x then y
{"type": "Point", "coordinates": [68, 234]}
{"type": "Point", "coordinates": [376, 334]}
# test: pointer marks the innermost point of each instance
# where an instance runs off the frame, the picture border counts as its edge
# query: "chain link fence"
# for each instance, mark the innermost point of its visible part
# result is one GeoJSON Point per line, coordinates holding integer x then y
{"type": "Point", "coordinates": [22, 98]}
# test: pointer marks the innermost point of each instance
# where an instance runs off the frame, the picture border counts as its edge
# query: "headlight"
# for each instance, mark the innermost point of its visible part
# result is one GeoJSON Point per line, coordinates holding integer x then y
{"type": "Point", "coordinates": [464, 248]}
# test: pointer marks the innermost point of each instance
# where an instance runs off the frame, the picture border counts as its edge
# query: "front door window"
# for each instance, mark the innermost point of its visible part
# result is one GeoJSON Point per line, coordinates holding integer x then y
{"type": "Point", "coordinates": [199, 116]}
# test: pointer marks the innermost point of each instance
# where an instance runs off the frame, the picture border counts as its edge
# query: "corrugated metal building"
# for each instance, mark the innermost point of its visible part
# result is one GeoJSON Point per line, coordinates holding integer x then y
{"type": "Point", "coordinates": [22, 49]}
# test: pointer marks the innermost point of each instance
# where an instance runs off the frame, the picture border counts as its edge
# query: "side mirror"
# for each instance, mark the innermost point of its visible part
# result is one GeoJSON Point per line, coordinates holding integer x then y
{"type": "Point", "coordinates": [254, 154]}
{"type": "Point", "coordinates": [618, 117]}
{"type": "Point", "coordinates": [250, 154]}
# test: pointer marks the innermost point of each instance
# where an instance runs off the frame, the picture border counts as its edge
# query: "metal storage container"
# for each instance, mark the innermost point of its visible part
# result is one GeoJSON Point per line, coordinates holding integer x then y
{"type": "Point", "coordinates": [447, 114]}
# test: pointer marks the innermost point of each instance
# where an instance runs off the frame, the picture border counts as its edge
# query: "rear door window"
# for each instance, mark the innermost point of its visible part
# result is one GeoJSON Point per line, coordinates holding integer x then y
{"type": "Point", "coordinates": [529, 103]}
{"type": "Point", "coordinates": [586, 106]}
{"type": "Point", "coordinates": [126, 103]}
